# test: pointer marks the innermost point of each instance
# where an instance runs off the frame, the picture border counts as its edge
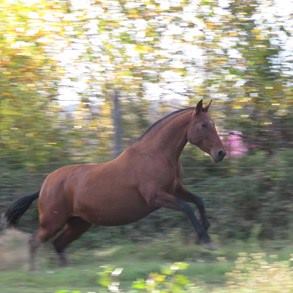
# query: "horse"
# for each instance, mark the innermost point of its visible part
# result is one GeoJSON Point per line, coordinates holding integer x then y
{"type": "Point", "coordinates": [145, 177]}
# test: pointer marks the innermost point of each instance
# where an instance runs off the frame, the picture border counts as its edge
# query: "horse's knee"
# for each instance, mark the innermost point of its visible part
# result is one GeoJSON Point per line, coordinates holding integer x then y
{"type": "Point", "coordinates": [199, 202]}
{"type": "Point", "coordinates": [59, 247]}
{"type": "Point", "coordinates": [60, 243]}
{"type": "Point", "coordinates": [74, 229]}
{"type": "Point", "coordinates": [201, 207]}
{"type": "Point", "coordinates": [185, 207]}
{"type": "Point", "coordinates": [43, 234]}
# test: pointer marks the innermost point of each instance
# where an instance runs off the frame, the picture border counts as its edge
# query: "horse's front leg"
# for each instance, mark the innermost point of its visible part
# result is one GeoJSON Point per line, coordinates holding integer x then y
{"type": "Point", "coordinates": [167, 200]}
{"type": "Point", "coordinates": [186, 195]}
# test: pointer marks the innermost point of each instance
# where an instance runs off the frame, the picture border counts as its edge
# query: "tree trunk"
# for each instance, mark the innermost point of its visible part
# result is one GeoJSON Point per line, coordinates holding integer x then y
{"type": "Point", "coordinates": [116, 116]}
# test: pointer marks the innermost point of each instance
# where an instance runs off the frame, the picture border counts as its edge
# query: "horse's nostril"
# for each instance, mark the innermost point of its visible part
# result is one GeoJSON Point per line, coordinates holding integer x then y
{"type": "Point", "coordinates": [221, 154]}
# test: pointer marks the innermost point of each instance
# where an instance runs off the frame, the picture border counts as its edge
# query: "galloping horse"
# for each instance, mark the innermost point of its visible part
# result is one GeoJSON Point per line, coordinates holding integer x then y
{"type": "Point", "coordinates": [142, 179]}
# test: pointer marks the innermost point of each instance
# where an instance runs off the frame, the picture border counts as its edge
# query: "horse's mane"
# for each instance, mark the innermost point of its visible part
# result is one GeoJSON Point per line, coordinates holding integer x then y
{"type": "Point", "coordinates": [160, 121]}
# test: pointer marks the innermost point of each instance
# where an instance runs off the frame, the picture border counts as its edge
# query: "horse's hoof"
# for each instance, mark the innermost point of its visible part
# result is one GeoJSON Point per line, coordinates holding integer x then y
{"type": "Point", "coordinates": [210, 245]}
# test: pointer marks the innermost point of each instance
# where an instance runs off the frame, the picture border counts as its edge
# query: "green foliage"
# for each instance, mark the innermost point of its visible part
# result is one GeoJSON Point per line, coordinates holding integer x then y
{"type": "Point", "coordinates": [169, 279]}
{"type": "Point", "coordinates": [107, 278]}
{"type": "Point", "coordinates": [256, 192]}
{"type": "Point", "coordinates": [30, 135]}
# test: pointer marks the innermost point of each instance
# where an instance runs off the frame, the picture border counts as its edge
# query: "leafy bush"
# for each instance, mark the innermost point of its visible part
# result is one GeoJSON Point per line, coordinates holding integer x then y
{"type": "Point", "coordinates": [257, 194]}
{"type": "Point", "coordinates": [170, 279]}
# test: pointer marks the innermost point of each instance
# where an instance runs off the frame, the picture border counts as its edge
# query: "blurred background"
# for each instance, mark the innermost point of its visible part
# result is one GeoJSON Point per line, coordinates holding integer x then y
{"type": "Point", "coordinates": [80, 80]}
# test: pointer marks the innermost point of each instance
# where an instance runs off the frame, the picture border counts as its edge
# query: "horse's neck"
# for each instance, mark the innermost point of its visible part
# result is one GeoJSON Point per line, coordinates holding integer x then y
{"type": "Point", "coordinates": [170, 139]}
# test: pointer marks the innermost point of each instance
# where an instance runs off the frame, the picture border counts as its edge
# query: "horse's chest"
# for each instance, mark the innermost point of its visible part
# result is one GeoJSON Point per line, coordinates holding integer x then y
{"type": "Point", "coordinates": [167, 179]}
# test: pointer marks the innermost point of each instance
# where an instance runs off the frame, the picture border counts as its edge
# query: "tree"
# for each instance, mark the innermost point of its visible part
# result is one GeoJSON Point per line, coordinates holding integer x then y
{"type": "Point", "coordinates": [263, 91]}
{"type": "Point", "coordinates": [28, 82]}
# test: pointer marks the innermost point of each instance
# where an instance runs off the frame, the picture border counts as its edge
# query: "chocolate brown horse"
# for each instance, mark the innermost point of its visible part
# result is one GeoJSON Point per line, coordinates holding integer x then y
{"type": "Point", "coordinates": [144, 178]}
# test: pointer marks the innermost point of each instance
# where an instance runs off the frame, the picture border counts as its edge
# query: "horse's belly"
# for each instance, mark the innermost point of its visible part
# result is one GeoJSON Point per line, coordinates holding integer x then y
{"type": "Point", "coordinates": [114, 211]}
{"type": "Point", "coordinates": [121, 217]}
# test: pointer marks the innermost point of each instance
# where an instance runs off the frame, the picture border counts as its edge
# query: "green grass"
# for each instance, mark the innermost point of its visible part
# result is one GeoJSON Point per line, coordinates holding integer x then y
{"type": "Point", "coordinates": [207, 268]}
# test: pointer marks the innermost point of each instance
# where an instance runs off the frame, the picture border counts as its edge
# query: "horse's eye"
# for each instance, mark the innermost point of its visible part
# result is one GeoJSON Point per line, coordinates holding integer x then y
{"type": "Point", "coordinates": [204, 125]}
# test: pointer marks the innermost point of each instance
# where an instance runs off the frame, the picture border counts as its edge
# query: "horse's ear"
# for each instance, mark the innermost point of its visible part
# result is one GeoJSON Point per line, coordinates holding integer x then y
{"type": "Point", "coordinates": [206, 108]}
{"type": "Point", "coordinates": [199, 107]}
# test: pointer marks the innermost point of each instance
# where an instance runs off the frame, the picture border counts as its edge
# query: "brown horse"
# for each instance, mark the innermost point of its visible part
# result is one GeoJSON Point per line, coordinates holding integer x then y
{"type": "Point", "coordinates": [144, 178]}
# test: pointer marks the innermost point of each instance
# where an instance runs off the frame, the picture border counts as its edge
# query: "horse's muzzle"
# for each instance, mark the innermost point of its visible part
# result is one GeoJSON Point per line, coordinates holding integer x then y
{"type": "Point", "coordinates": [220, 156]}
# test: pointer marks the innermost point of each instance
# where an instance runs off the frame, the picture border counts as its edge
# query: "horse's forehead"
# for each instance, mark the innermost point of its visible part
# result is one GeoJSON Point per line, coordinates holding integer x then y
{"type": "Point", "coordinates": [204, 117]}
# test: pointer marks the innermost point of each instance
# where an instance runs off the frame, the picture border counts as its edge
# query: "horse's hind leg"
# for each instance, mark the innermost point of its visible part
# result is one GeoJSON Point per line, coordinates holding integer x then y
{"type": "Point", "coordinates": [73, 229]}
{"type": "Point", "coordinates": [49, 226]}
{"type": "Point", "coordinates": [43, 234]}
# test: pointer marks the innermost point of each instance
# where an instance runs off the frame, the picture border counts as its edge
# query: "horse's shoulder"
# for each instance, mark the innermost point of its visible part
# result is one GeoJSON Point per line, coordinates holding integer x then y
{"type": "Point", "coordinates": [136, 155]}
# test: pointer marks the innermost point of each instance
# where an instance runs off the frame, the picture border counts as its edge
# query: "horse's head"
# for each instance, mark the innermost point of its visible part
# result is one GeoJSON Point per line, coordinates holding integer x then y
{"type": "Point", "coordinates": [202, 133]}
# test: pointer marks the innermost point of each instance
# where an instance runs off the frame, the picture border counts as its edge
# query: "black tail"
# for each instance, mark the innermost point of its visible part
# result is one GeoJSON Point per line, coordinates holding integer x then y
{"type": "Point", "coordinates": [18, 208]}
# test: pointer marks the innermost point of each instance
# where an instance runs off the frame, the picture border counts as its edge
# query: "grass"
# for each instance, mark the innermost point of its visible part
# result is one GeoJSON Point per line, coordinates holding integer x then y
{"type": "Point", "coordinates": [207, 268]}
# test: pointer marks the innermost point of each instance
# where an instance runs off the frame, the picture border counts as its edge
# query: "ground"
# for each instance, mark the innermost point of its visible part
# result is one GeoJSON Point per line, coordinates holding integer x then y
{"type": "Point", "coordinates": [207, 268]}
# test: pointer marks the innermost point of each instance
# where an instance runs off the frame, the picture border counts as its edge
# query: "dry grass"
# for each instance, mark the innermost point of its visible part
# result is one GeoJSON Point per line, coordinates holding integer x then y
{"type": "Point", "coordinates": [13, 249]}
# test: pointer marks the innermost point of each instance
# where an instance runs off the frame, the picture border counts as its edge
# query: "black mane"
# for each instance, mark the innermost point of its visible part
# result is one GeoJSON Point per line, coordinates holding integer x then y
{"type": "Point", "coordinates": [163, 119]}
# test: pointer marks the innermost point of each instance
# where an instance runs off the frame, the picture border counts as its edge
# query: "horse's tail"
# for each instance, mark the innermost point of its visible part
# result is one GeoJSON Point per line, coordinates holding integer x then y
{"type": "Point", "coordinates": [18, 208]}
